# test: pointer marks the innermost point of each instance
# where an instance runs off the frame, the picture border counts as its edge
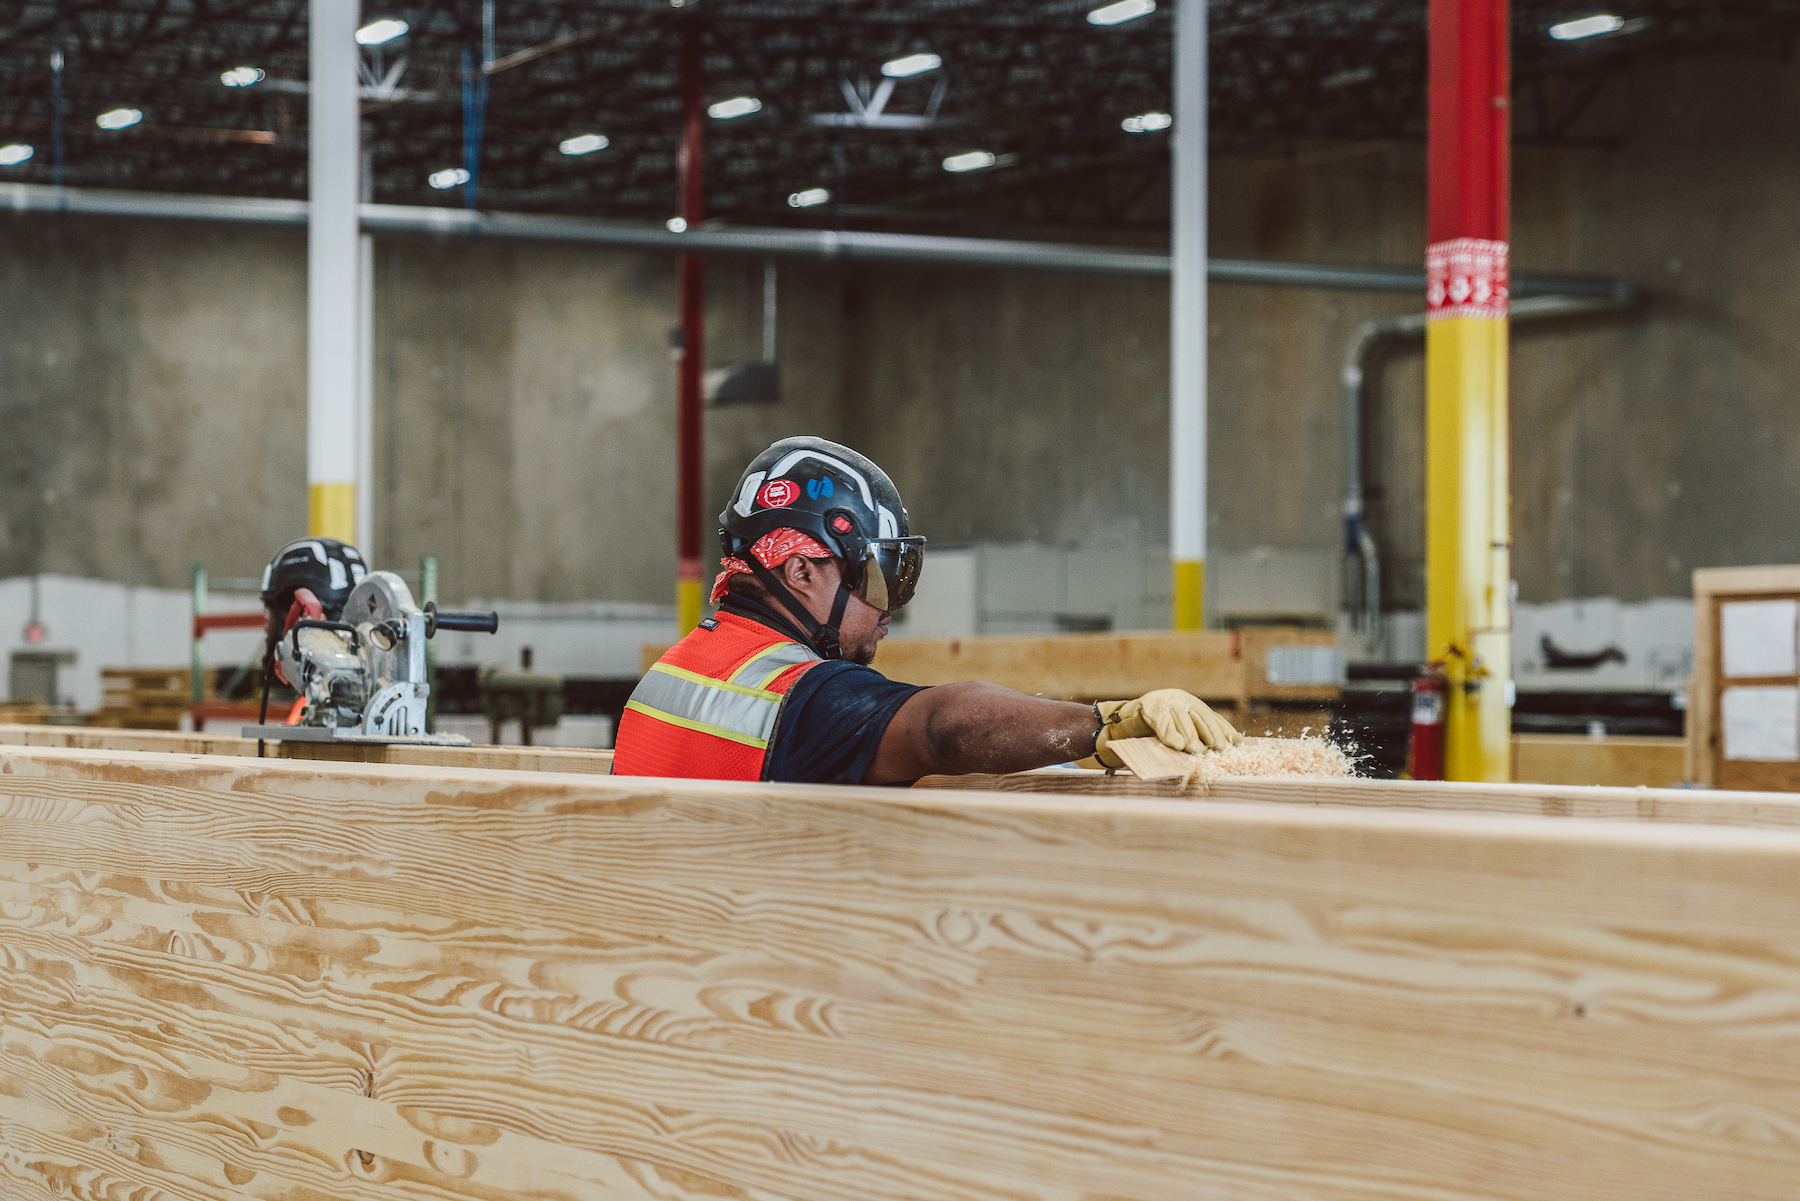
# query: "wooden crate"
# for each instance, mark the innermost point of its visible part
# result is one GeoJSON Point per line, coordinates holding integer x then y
{"type": "Point", "coordinates": [388, 983]}
{"type": "Point", "coordinates": [1711, 760]}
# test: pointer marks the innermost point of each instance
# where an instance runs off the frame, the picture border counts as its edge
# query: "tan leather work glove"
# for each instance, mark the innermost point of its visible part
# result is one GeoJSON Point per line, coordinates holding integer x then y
{"type": "Point", "coordinates": [1179, 719]}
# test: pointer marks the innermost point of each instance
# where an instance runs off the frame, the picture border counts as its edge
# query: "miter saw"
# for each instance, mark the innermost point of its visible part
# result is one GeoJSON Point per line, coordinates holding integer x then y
{"type": "Point", "coordinates": [362, 679]}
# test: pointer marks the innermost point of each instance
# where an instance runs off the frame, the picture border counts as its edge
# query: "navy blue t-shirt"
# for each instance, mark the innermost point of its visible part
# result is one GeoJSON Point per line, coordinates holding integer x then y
{"type": "Point", "coordinates": [832, 724]}
{"type": "Point", "coordinates": [832, 719]}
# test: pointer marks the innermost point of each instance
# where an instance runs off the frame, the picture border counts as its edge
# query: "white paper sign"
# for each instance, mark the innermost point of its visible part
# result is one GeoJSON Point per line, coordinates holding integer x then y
{"type": "Point", "coordinates": [1761, 723]}
{"type": "Point", "coordinates": [1757, 637]}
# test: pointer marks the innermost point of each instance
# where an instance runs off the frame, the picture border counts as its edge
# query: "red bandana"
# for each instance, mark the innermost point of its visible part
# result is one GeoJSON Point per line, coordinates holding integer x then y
{"type": "Point", "coordinates": [771, 550]}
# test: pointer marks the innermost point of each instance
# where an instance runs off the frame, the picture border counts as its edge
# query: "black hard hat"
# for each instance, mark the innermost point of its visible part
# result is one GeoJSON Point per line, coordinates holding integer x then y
{"type": "Point", "coordinates": [839, 498]}
{"type": "Point", "coordinates": [327, 568]}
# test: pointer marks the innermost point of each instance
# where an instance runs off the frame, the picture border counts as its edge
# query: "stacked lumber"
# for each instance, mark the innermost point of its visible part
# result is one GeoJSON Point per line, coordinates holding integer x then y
{"type": "Point", "coordinates": [1230, 668]}
{"type": "Point", "coordinates": [1617, 760]}
{"type": "Point", "coordinates": [144, 698]}
{"type": "Point", "coordinates": [507, 985]}
{"type": "Point", "coordinates": [26, 713]}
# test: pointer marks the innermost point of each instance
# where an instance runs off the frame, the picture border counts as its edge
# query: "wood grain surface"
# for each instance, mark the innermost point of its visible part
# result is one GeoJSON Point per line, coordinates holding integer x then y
{"type": "Point", "coordinates": [498, 758]}
{"type": "Point", "coordinates": [225, 979]}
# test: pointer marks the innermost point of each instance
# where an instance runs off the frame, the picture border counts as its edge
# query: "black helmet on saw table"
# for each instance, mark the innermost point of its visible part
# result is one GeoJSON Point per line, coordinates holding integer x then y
{"type": "Point", "coordinates": [839, 498]}
{"type": "Point", "coordinates": [327, 568]}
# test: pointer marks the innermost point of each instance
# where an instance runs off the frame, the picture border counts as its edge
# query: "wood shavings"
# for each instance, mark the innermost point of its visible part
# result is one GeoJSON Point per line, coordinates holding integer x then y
{"type": "Point", "coordinates": [1271, 758]}
{"type": "Point", "coordinates": [1307, 758]}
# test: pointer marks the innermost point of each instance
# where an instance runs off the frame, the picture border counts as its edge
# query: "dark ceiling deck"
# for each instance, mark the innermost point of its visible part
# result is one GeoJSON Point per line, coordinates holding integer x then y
{"type": "Point", "coordinates": [1031, 81]}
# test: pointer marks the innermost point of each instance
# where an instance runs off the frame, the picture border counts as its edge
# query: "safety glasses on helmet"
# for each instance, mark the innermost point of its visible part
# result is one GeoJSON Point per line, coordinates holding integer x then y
{"type": "Point", "coordinates": [890, 571]}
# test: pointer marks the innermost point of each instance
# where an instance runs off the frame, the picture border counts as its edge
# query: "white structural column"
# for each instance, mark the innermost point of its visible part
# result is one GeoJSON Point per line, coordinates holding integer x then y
{"type": "Point", "coordinates": [365, 395]}
{"type": "Point", "coordinates": [1187, 370]}
{"type": "Point", "coordinates": [333, 261]}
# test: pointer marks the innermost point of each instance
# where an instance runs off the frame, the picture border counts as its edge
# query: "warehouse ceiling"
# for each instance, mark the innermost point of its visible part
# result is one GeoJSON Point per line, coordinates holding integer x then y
{"type": "Point", "coordinates": [1031, 82]}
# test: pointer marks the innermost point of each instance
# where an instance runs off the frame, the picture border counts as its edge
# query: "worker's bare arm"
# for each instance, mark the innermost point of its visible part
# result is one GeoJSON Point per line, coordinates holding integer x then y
{"type": "Point", "coordinates": [955, 729]}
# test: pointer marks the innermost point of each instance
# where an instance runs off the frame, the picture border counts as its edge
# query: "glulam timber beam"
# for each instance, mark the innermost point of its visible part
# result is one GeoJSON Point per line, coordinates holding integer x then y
{"type": "Point", "coordinates": [170, 742]}
{"type": "Point", "coordinates": [221, 978]}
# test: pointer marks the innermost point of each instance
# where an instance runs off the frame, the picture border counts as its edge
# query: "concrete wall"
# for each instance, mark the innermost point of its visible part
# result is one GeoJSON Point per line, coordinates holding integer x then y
{"type": "Point", "coordinates": [152, 374]}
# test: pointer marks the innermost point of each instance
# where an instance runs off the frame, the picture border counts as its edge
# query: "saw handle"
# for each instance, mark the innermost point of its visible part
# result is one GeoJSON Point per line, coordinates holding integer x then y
{"type": "Point", "coordinates": [474, 623]}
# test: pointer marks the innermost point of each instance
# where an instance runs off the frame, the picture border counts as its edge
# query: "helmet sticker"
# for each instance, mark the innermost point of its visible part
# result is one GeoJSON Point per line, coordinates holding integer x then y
{"type": "Point", "coordinates": [778, 494]}
{"type": "Point", "coordinates": [819, 487]}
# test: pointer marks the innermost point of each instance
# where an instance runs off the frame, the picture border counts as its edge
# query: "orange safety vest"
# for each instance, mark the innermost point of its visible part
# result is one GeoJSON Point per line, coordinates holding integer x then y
{"type": "Point", "coordinates": [707, 709]}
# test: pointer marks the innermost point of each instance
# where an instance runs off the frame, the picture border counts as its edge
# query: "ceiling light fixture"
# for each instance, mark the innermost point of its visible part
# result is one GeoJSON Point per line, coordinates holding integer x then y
{"type": "Point", "coordinates": [973, 160]}
{"type": "Point", "coordinates": [676, 225]}
{"type": "Point", "coordinates": [586, 143]}
{"type": "Point", "coordinates": [13, 155]}
{"type": "Point", "coordinates": [1587, 27]}
{"type": "Point", "coordinates": [241, 77]}
{"type": "Point", "coordinates": [1146, 122]}
{"type": "Point", "coordinates": [808, 198]}
{"type": "Point", "coordinates": [449, 177]}
{"type": "Point", "coordinates": [912, 64]}
{"type": "Point", "coordinates": [737, 106]}
{"type": "Point", "coordinates": [1124, 10]}
{"type": "Point", "coordinates": [375, 33]}
{"type": "Point", "coordinates": [119, 118]}
{"type": "Point", "coordinates": [1348, 77]}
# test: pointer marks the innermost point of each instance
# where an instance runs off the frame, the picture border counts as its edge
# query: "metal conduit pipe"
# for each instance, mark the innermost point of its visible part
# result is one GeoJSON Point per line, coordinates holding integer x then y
{"type": "Point", "coordinates": [824, 244]}
{"type": "Point", "coordinates": [1362, 560]}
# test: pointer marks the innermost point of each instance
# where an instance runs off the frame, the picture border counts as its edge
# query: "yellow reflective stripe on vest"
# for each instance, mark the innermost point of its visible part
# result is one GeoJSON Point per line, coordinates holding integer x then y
{"type": "Point", "coordinates": [695, 702]}
{"type": "Point", "coordinates": [761, 744]}
{"type": "Point", "coordinates": [760, 671]}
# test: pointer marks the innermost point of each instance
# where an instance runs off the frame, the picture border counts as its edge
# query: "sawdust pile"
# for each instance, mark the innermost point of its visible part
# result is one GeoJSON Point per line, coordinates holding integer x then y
{"type": "Point", "coordinates": [1273, 758]}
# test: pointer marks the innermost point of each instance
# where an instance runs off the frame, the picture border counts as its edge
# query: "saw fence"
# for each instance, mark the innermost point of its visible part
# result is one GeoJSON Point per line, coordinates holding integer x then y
{"type": "Point", "coordinates": [224, 978]}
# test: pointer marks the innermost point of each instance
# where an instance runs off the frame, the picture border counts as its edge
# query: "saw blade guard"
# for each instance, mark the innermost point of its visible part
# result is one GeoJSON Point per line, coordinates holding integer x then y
{"type": "Point", "coordinates": [392, 633]}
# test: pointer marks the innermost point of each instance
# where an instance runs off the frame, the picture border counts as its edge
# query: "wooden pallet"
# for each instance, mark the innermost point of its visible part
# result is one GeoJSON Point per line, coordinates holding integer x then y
{"type": "Point", "coordinates": [143, 698]}
{"type": "Point", "coordinates": [388, 983]}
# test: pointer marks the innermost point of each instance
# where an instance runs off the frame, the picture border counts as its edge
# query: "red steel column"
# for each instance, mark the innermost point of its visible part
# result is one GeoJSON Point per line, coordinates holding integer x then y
{"type": "Point", "coordinates": [690, 458]}
{"type": "Point", "coordinates": [1468, 528]}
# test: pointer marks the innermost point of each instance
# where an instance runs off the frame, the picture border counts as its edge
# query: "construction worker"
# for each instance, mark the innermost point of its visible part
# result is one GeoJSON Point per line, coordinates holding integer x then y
{"type": "Point", "coordinates": [310, 578]}
{"type": "Point", "coordinates": [776, 685]}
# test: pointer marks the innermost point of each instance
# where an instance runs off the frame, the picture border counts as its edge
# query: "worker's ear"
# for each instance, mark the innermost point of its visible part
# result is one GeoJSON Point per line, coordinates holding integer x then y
{"type": "Point", "coordinates": [797, 572]}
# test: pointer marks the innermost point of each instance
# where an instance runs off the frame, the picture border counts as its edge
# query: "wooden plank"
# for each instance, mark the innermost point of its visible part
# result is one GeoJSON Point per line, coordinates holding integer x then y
{"type": "Point", "coordinates": [1766, 810]}
{"type": "Point", "coordinates": [1618, 761]}
{"type": "Point", "coordinates": [501, 758]}
{"type": "Point", "coordinates": [381, 982]}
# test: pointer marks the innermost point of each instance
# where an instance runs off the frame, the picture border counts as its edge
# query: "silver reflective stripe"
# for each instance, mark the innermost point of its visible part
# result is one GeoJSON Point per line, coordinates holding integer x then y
{"type": "Point", "coordinates": [733, 711]}
{"type": "Point", "coordinates": [760, 671]}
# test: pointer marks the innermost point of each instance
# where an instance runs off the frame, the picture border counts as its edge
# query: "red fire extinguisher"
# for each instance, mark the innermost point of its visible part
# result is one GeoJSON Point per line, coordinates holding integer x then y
{"type": "Point", "coordinates": [1430, 691]}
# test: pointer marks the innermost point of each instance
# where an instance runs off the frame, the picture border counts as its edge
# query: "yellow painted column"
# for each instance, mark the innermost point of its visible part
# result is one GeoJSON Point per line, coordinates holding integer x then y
{"type": "Point", "coordinates": [1468, 535]}
{"type": "Point", "coordinates": [1190, 594]}
{"type": "Point", "coordinates": [331, 511]}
